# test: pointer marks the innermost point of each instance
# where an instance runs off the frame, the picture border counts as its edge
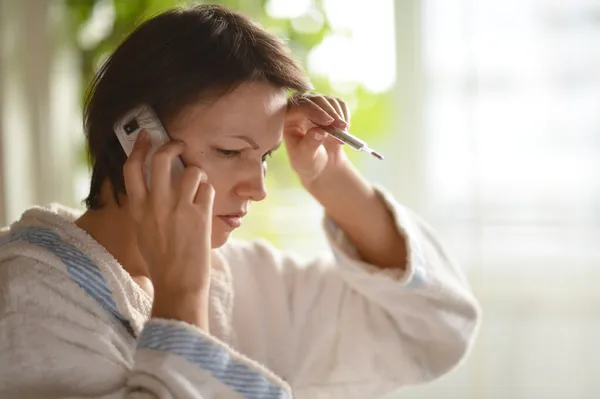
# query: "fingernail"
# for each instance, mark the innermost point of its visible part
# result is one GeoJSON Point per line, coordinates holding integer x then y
{"type": "Point", "coordinates": [329, 120]}
{"type": "Point", "coordinates": [319, 136]}
{"type": "Point", "coordinates": [140, 140]}
{"type": "Point", "coordinates": [143, 136]}
{"type": "Point", "coordinates": [341, 124]}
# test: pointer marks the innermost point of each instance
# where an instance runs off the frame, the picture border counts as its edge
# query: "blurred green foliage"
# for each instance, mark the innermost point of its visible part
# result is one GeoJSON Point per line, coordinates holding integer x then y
{"type": "Point", "coordinates": [371, 112]}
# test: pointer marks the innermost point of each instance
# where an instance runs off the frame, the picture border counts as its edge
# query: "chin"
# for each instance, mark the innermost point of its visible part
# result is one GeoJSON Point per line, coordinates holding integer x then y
{"type": "Point", "coordinates": [219, 238]}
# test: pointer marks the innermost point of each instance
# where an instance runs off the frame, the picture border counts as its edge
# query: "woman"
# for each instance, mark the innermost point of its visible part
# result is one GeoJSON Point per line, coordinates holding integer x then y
{"type": "Point", "coordinates": [144, 296]}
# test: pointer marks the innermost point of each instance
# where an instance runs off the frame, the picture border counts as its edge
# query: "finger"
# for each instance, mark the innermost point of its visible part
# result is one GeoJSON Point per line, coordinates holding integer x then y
{"type": "Point", "coordinates": [332, 144]}
{"type": "Point", "coordinates": [161, 183]}
{"type": "Point", "coordinates": [205, 195]}
{"type": "Point", "coordinates": [190, 179]}
{"type": "Point", "coordinates": [133, 170]}
{"type": "Point", "coordinates": [308, 147]}
{"type": "Point", "coordinates": [335, 103]}
{"type": "Point", "coordinates": [345, 111]}
{"type": "Point", "coordinates": [328, 107]}
{"type": "Point", "coordinates": [313, 112]}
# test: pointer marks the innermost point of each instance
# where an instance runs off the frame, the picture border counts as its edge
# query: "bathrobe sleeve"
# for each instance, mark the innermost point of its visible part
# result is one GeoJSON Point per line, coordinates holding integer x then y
{"type": "Point", "coordinates": [56, 342]}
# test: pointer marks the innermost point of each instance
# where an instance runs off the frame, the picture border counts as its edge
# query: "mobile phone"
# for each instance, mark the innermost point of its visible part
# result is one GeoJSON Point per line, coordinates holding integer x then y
{"type": "Point", "coordinates": [132, 123]}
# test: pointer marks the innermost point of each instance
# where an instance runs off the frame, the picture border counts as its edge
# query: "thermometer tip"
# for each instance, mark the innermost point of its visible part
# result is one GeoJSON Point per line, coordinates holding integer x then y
{"type": "Point", "coordinates": [377, 155]}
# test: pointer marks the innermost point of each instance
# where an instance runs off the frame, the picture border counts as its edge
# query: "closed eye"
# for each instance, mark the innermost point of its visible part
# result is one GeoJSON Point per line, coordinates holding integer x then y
{"type": "Point", "coordinates": [228, 153]}
{"type": "Point", "coordinates": [267, 155]}
{"type": "Point", "coordinates": [234, 153]}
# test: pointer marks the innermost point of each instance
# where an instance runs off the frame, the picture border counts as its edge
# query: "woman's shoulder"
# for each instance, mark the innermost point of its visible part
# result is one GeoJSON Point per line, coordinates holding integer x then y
{"type": "Point", "coordinates": [31, 284]}
{"type": "Point", "coordinates": [28, 285]}
{"type": "Point", "coordinates": [30, 256]}
{"type": "Point", "coordinates": [21, 271]}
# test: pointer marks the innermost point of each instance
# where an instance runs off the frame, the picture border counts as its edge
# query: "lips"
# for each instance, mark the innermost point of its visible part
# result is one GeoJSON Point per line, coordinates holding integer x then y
{"type": "Point", "coordinates": [233, 220]}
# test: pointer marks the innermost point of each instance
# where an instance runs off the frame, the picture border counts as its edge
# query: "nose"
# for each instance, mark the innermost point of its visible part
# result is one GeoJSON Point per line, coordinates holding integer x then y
{"type": "Point", "coordinates": [253, 185]}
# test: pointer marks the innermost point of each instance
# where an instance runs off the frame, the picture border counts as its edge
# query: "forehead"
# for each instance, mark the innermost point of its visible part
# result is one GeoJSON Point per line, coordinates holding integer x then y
{"type": "Point", "coordinates": [249, 107]}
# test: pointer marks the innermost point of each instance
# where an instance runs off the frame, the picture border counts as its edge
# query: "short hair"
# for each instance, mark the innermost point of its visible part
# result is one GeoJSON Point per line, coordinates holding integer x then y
{"type": "Point", "coordinates": [172, 60]}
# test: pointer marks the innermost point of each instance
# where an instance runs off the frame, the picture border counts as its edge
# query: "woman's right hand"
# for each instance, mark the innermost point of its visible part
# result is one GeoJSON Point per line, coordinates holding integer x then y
{"type": "Point", "coordinates": [173, 221]}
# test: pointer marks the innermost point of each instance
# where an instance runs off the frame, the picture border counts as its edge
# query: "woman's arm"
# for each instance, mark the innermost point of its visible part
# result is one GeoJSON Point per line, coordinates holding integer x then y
{"type": "Point", "coordinates": [327, 174]}
{"type": "Point", "coordinates": [354, 205]}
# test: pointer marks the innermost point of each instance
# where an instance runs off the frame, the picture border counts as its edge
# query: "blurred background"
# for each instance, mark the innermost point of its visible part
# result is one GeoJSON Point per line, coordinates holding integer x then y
{"type": "Point", "coordinates": [488, 113]}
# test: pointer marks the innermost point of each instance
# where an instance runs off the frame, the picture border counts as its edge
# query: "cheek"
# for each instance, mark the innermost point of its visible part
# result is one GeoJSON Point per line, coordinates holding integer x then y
{"type": "Point", "coordinates": [218, 170]}
{"type": "Point", "coordinates": [222, 180]}
{"type": "Point", "coordinates": [223, 175]}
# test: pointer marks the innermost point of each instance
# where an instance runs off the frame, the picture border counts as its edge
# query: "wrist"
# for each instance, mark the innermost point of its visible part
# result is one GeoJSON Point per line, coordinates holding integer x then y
{"type": "Point", "coordinates": [178, 276]}
{"type": "Point", "coordinates": [330, 175]}
{"type": "Point", "coordinates": [333, 182]}
{"type": "Point", "coordinates": [187, 306]}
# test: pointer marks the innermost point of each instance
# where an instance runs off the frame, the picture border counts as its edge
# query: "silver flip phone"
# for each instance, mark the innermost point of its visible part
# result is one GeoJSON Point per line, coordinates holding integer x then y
{"type": "Point", "coordinates": [131, 124]}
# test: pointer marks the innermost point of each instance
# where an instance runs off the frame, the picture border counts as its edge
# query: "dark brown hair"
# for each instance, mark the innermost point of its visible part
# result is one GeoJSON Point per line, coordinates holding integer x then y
{"type": "Point", "coordinates": [173, 60]}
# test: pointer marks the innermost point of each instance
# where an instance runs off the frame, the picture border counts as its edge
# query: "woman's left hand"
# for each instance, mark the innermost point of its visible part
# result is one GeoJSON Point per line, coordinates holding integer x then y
{"type": "Point", "coordinates": [312, 151]}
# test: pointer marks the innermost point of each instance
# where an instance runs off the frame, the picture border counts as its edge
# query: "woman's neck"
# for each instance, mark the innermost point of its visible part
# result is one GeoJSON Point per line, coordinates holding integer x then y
{"type": "Point", "coordinates": [112, 227]}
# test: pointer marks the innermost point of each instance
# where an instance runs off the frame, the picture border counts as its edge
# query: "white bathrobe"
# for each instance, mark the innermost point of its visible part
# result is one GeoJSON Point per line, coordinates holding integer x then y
{"type": "Point", "coordinates": [74, 324]}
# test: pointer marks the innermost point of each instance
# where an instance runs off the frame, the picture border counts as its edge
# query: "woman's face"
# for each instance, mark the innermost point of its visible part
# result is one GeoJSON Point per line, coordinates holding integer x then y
{"type": "Point", "coordinates": [231, 139]}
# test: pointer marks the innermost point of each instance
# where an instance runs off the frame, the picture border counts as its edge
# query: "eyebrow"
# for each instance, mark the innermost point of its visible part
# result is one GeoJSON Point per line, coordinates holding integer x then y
{"type": "Point", "coordinates": [247, 140]}
{"type": "Point", "coordinates": [252, 142]}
